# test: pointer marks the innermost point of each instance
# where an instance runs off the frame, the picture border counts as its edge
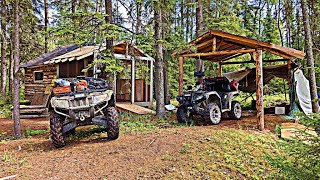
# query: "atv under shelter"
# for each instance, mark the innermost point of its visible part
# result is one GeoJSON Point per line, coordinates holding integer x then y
{"type": "Point", "coordinates": [217, 46]}
{"type": "Point", "coordinates": [69, 61]}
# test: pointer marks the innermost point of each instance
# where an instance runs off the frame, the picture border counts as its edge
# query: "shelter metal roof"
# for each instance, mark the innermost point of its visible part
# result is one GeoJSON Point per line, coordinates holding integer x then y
{"type": "Point", "coordinates": [221, 46]}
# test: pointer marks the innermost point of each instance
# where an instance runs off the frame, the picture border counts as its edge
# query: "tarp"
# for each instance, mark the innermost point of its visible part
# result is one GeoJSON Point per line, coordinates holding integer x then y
{"type": "Point", "coordinates": [247, 77]}
{"type": "Point", "coordinates": [303, 91]}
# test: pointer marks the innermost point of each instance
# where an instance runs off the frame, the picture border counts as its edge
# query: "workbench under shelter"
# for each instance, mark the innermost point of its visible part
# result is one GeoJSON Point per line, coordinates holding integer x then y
{"type": "Point", "coordinates": [220, 47]}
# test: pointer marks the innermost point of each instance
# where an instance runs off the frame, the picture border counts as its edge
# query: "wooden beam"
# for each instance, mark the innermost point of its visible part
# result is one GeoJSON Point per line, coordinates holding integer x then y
{"type": "Point", "coordinates": [201, 45]}
{"type": "Point", "coordinates": [259, 89]}
{"type": "Point", "coordinates": [219, 53]}
{"type": "Point", "coordinates": [220, 43]}
{"type": "Point", "coordinates": [246, 62]}
{"type": "Point", "coordinates": [214, 44]}
{"type": "Point", "coordinates": [278, 54]}
{"type": "Point", "coordinates": [180, 75]}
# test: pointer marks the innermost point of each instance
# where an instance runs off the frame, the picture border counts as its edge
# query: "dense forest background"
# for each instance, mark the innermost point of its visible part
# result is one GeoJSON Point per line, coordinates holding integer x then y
{"type": "Point", "coordinates": [153, 25]}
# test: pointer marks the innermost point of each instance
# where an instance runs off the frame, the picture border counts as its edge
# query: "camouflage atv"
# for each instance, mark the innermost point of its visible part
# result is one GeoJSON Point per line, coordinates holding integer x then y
{"type": "Point", "coordinates": [78, 102]}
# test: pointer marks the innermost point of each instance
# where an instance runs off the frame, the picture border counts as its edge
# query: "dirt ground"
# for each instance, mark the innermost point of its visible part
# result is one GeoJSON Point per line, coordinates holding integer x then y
{"type": "Point", "coordinates": [132, 156]}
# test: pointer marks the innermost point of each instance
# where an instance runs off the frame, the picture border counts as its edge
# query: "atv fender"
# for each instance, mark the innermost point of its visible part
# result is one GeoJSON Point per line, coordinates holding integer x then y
{"type": "Point", "coordinates": [213, 97]}
{"type": "Point", "coordinates": [231, 96]}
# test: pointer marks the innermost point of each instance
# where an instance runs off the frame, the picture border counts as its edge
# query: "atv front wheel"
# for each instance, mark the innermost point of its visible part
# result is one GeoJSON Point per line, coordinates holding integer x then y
{"type": "Point", "coordinates": [182, 115]}
{"type": "Point", "coordinates": [56, 127]}
{"type": "Point", "coordinates": [112, 122]}
{"type": "Point", "coordinates": [214, 113]}
{"type": "Point", "coordinates": [236, 111]}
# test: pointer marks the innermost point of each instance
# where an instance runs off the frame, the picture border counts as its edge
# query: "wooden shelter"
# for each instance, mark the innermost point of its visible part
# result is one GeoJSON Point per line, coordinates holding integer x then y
{"type": "Point", "coordinates": [69, 61]}
{"type": "Point", "coordinates": [219, 47]}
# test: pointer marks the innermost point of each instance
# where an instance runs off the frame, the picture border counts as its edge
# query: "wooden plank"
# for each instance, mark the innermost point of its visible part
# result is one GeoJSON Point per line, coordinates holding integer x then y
{"type": "Point", "coordinates": [34, 116]}
{"type": "Point", "coordinates": [180, 75]}
{"type": "Point", "coordinates": [219, 53]}
{"type": "Point", "coordinates": [291, 130]}
{"type": "Point", "coordinates": [126, 106]}
{"type": "Point", "coordinates": [34, 111]}
{"type": "Point", "coordinates": [31, 106]}
{"type": "Point", "coordinates": [259, 90]}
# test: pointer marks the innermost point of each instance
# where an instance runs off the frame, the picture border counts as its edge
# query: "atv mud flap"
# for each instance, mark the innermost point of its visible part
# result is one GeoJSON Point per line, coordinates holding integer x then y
{"type": "Point", "coordinates": [100, 121]}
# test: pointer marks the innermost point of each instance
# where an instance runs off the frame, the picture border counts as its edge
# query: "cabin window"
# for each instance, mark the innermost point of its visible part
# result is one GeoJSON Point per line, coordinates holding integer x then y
{"type": "Point", "coordinates": [38, 76]}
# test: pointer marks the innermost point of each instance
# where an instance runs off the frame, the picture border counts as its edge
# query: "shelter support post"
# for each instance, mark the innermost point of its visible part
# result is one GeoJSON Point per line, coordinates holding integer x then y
{"type": "Point", "coordinates": [259, 89]}
{"type": "Point", "coordinates": [220, 69]}
{"type": "Point", "coordinates": [133, 79]}
{"type": "Point", "coordinates": [181, 75]}
{"type": "Point", "coordinates": [151, 82]}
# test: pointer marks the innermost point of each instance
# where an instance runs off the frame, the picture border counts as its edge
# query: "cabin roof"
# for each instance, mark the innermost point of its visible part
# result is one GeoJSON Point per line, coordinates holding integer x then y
{"type": "Point", "coordinates": [221, 46]}
{"type": "Point", "coordinates": [52, 54]}
{"type": "Point", "coordinates": [121, 50]}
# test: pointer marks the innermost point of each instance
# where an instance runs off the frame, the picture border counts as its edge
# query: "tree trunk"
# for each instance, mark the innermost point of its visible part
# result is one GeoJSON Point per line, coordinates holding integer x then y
{"type": "Point", "coordinates": [182, 17]}
{"type": "Point", "coordinates": [310, 59]}
{"type": "Point", "coordinates": [138, 24]}
{"type": "Point", "coordinates": [16, 95]}
{"type": "Point", "coordinates": [199, 29]}
{"type": "Point", "coordinates": [46, 24]}
{"type": "Point", "coordinates": [3, 48]}
{"type": "Point", "coordinates": [159, 80]}
{"type": "Point", "coordinates": [108, 19]}
{"type": "Point", "coordinates": [11, 62]}
{"type": "Point", "coordinates": [188, 20]}
{"type": "Point", "coordinates": [167, 54]}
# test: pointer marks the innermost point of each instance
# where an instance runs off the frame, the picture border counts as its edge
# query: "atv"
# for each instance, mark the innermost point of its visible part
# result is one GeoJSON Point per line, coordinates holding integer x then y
{"type": "Point", "coordinates": [81, 101]}
{"type": "Point", "coordinates": [211, 100]}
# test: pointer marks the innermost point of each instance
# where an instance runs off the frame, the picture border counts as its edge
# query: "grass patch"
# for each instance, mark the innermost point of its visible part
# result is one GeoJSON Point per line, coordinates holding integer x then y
{"type": "Point", "coordinates": [32, 132]}
{"type": "Point", "coordinates": [140, 123]}
{"type": "Point", "coordinates": [230, 154]}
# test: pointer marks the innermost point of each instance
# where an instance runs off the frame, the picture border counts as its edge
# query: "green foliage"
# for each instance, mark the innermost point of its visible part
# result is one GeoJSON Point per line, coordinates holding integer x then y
{"type": "Point", "coordinates": [32, 132]}
{"type": "Point", "coordinates": [302, 160]}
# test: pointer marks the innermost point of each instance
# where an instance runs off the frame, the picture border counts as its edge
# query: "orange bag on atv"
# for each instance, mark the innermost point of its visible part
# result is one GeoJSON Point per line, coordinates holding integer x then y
{"type": "Point", "coordinates": [62, 90]}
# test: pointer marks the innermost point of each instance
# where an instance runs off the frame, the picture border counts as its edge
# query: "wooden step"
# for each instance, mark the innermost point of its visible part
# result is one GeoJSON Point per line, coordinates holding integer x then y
{"type": "Point", "coordinates": [128, 107]}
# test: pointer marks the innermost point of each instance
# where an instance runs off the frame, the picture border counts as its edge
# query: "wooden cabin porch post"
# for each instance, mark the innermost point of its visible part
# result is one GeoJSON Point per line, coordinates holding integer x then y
{"type": "Point", "coordinates": [181, 75]}
{"type": "Point", "coordinates": [151, 82]}
{"type": "Point", "coordinates": [133, 79]}
{"type": "Point", "coordinates": [259, 89]}
{"type": "Point", "coordinates": [220, 69]}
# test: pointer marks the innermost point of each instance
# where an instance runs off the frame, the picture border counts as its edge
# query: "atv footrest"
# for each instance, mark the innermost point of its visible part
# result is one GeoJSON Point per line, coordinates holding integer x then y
{"type": "Point", "coordinates": [100, 121]}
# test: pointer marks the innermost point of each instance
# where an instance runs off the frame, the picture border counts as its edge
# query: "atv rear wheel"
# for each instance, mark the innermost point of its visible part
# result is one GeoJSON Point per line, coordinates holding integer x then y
{"type": "Point", "coordinates": [214, 113]}
{"type": "Point", "coordinates": [56, 128]}
{"type": "Point", "coordinates": [182, 115]}
{"type": "Point", "coordinates": [236, 111]}
{"type": "Point", "coordinates": [112, 122]}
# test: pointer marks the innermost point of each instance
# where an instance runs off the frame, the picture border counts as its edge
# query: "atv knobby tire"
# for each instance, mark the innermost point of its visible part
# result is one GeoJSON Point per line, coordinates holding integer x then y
{"type": "Point", "coordinates": [214, 113]}
{"type": "Point", "coordinates": [182, 115]}
{"type": "Point", "coordinates": [56, 127]}
{"type": "Point", "coordinates": [236, 111]}
{"type": "Point", "coordinates": [112, 122]}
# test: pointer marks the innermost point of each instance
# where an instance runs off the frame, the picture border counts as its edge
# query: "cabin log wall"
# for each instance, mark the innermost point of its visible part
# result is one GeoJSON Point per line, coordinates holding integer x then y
{"type": "Point", "coordinates": [32, 87]}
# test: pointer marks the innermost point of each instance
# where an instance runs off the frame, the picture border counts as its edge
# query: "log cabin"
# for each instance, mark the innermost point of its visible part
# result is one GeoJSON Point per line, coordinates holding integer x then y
{"type": "Point", "coordinates": [134, 85]}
